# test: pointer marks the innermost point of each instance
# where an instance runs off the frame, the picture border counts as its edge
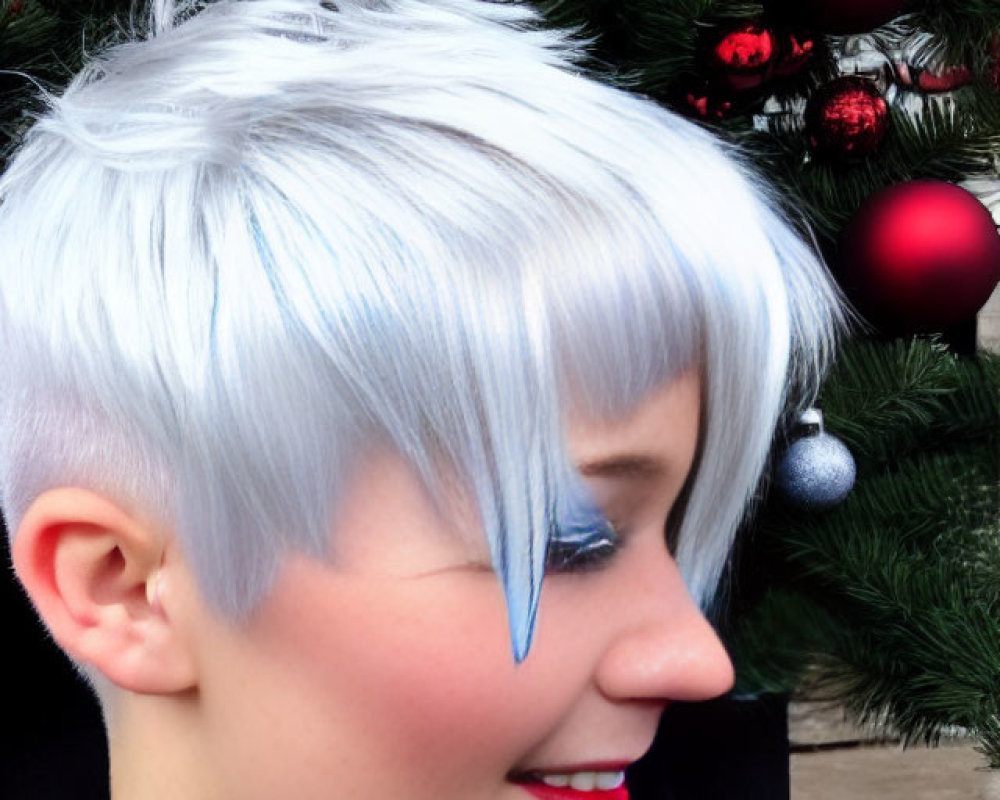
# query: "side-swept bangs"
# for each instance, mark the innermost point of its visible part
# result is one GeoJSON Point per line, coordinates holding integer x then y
{"type": "Point", "coordinates": [283, 232]}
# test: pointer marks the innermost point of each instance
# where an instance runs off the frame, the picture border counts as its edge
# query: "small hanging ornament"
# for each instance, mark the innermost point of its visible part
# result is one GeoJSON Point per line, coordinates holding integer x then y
{"type": "Point", "coordinates": [796, 48]}
{"type": "Point", "coordinates": [743, 56]}
{"type": "Point", "coordinates": [920, 257]}
{"type": "Point", "coordinates": [817, 471]}
{"type": "Point", "coordinates": [846, 117]}
{"type": "Point", "coordinates": [838, 16]}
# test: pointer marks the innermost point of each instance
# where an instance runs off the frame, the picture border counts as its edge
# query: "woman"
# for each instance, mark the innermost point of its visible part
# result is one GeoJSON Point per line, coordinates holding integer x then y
{"type": "Point", "coordinates": [328, 331]}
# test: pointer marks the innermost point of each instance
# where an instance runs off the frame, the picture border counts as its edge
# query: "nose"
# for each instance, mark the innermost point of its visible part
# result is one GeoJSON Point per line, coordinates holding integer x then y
{"type": "Point", "coordinates": [671, 653]}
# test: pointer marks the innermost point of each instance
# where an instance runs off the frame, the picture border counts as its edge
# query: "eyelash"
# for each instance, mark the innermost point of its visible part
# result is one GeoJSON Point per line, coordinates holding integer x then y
{"type": "Point", "coordinates": [595, 553]}
{"type": "Point", "coordinates": [585, 556]}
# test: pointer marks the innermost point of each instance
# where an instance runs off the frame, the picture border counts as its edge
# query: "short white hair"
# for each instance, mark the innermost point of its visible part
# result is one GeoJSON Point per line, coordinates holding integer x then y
{"type": "Point", "coordinates": [264, 233]}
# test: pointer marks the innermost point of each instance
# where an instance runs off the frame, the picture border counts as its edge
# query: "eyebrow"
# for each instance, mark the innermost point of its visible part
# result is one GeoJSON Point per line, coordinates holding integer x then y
{"type": "Point", "coordinates": [625, 466]}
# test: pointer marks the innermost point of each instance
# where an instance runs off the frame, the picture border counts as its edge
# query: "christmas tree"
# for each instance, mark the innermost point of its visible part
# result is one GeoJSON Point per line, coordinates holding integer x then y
{"type": "Point", "coordinates": [878, 122]}
{"type": "Point", "coordinates": [879, 125]}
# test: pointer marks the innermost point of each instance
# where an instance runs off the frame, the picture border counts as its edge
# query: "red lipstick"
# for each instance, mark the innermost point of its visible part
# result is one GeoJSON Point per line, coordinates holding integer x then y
{"type": "Point", "coordinates": [544, 792]}
{"type": "Point", "coordinates": [534, 784]}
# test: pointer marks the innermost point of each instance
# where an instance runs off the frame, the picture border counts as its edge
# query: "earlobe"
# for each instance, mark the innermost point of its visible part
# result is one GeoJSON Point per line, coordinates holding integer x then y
{"type": "Point", "coordinates": [94, 573]}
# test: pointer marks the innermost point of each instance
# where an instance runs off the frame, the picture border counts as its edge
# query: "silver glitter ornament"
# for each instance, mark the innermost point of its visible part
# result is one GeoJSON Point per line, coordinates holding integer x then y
{"type": "Point", "coordinates": [817, 471]}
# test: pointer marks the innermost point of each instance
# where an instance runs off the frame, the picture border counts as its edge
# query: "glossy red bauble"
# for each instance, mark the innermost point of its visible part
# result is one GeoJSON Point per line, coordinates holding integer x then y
{"type": "Point", "coordinates": [742, 57]}
{"type": "Point", "coordinates": [846, 117]}
{"type": "Point", "coordinates": [920, 257]}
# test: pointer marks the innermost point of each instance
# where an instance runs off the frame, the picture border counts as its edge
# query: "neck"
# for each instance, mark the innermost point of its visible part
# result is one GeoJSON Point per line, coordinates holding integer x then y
{"type": "Point", "coordinates": [155, 750]}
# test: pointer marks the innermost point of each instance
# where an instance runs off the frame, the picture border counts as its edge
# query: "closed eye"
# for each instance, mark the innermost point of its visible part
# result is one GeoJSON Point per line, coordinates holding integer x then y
{"type": "Point", "coordinates": [581, 555]}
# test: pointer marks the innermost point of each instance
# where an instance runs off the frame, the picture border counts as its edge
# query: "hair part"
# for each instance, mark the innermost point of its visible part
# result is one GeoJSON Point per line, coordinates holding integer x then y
{"type": "Point", "coordinates": [237, 251]}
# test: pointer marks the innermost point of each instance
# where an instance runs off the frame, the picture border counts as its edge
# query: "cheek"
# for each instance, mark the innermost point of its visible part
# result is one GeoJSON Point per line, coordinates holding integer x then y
{"type": "Point", "coordinates": [419, 672]}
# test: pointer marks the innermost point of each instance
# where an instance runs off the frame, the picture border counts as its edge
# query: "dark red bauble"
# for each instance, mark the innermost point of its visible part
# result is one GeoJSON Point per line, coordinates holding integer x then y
{"type": "Point", "coordinates": [743, 56]}
{"type": "Point", "coordinates": [846, 117]}
{"type": "Point", "coordinates": [920, 257]}
{"type": "Point", "coordinates": [839, 16]}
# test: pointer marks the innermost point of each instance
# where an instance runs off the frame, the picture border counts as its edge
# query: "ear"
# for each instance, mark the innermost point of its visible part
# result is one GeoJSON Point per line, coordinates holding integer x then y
{"type": "Point", "coordinates": [96, 574]}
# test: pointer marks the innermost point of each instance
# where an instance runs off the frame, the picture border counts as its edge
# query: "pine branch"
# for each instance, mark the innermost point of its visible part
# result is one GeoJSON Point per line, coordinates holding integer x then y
{"type": "Point", "coordinates": [937, 146]}
{"type": "Point", "coordinates": [44, 44]}
{"type": "Point", "coordinates": [655, 43]}
{"type": "Point", "coordinates": [964, 28]}
{"type": "Point", "coordinates": [887, 401]}
{"type": "Point", "coordinates": [888, 603]}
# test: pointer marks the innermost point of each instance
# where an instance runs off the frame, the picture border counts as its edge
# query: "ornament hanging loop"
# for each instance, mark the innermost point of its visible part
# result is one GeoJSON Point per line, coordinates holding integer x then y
{"type": "Point", "coordinates": [811, 421]}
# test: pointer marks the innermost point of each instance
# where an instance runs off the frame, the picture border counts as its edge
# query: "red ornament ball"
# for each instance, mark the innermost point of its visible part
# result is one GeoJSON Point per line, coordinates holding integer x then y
{"type": "Point", "coordinates": [846, 117]}
{"type": "Point", "coordinates": [743, 56]}
{"type": "Point", "coordinates": [920, 257]}
{"type": "Point", "coordinates": [839, 16]}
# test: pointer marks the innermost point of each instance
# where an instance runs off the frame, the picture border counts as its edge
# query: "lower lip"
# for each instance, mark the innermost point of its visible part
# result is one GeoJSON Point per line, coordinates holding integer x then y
{"type": "Point", "coordinates": [546, 792]}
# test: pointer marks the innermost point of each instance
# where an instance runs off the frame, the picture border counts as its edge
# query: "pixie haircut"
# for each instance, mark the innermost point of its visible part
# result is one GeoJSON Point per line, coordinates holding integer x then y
{"type": "Point", "coordinates": [257, 237]}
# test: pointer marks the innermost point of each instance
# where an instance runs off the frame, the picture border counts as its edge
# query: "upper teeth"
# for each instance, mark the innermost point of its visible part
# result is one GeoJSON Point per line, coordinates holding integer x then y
{"type": "Point", "coordinates": [586, 781]}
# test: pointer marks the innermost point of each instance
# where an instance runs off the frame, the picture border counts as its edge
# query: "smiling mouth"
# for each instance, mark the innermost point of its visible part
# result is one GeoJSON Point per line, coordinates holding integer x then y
{"type": "Point", "coordinates": [583, 785]}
